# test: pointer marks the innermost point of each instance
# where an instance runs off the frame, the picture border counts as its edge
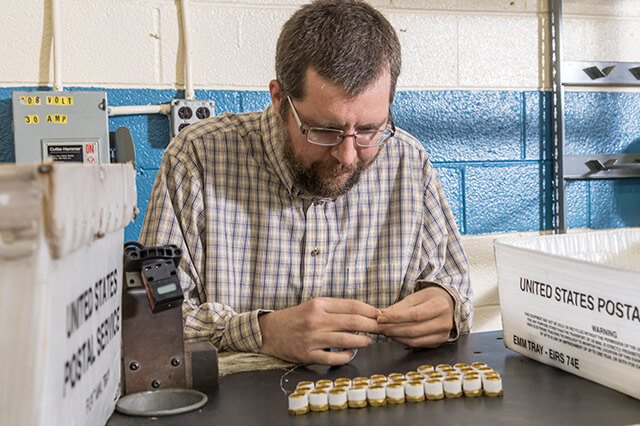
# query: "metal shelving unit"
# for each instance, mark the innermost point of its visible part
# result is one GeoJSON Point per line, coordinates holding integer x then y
{"type": "Point", "coordinates": [583, 73]}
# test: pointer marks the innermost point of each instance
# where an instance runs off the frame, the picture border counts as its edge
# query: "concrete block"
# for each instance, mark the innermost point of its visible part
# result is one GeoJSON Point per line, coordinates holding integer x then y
{"type": "Point", "coordinates": [537, 6]}
{"type": "Point", "coordinates": [601, 122]}
{"type": "Point", "coordinates": [446, 5]}
{"type": "Point", "coordinates": [231, 47]}
{"type": "Point", "coordinates": [492, 5]}
{"type": "Point", "coordinates": [463, 126]}
{"type": "Point", "coordinates": [254, 100]}
{"type": "Point", "coordinates": [26, 45]}
{"type": "Point", "coordinates": [612, 39]}
{"type": "Point", "coordinates": [118, 97]}
{"type": "Point", "coordinates": [259, 31]}
{"type": "Point", "coordinates": [615, 203]}
{"type": "Point", "coordinates": [225, 100]}
{"type": "Point", "coordinates": [577, 212]}
{"type": "Point", "coordinates": [277, 3]}
{"type": "Point", "coordinates": [108, 43]}
{"type": "Point", "coordinates": [621, 8]}
{"type": "Point", "coordinates": [573, 35]}
{"type": "Point", "coordinates": [604, 39]}
{"type": "Point", "coordinates": [499, 51]}
{"type": "Point", "coordinates": [507, 197]}
{"type": "Point", "coordinates": [429, 49]}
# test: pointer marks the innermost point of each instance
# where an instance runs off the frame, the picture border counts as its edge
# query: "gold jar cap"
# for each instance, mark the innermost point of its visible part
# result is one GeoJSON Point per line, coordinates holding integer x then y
{"type": "Point", "coordinates": [425, 367]}
{"type": "Point", "coordinates": [377, 377]}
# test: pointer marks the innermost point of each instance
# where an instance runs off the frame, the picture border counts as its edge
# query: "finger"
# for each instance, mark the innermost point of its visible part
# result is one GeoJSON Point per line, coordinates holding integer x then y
{"type": "Point", "coordinates": [420, 306]}
{"type": "Point", "coordinates": [350, 306]}
{"type": "Point", "coordinates": [351, 322]}
{"type": "Point", "coordinates": [416, 330]}
{"type": "Point", "coordinates": [398, 311]}
{"type": "Point", "coordinates": [412, 313]}
{"type": "Point", "coordinates": [344, 340]}
{"type": "Point", "coordinates": [331, 358]}
{"type": "Point", "coordinates": [338, 340]}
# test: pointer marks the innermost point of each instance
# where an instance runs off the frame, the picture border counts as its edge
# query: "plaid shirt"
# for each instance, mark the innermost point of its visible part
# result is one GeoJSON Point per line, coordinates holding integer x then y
{"type": "Point", "coordinates": [252, 242]}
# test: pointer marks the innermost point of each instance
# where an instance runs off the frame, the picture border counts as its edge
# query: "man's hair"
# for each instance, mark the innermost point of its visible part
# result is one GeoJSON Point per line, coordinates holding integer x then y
{"type": "Point", "coordinates": [346, 42]}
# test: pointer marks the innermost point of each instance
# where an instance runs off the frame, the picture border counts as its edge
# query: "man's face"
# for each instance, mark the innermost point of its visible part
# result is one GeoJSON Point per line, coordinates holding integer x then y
{"type": "Point", "coordinates": [330, 171]}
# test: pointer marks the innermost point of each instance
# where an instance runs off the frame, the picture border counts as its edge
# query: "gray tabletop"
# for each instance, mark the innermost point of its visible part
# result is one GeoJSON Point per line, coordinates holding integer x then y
{"type": "Point", "coordinates": [534, 393]}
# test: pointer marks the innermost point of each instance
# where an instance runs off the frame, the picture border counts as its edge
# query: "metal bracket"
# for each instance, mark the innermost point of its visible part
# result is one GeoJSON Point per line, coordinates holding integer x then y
{"type": "Point", "coordinates": [593, 73]}
{"type": "Point", "coordinates": [602, 166]}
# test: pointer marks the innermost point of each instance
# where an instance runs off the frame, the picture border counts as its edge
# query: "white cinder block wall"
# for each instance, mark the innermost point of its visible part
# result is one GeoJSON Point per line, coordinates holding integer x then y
{"type": "Point", "coordinates": [447, 44]}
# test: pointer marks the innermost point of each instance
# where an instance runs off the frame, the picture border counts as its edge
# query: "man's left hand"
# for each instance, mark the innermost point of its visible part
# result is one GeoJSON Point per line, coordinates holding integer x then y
{"type": "Point", "coordinates": [422, 319]}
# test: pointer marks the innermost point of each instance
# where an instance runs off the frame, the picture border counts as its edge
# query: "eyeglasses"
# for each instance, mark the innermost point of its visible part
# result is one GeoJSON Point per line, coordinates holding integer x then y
{"type": "Point", "coordinates": [331, 137]}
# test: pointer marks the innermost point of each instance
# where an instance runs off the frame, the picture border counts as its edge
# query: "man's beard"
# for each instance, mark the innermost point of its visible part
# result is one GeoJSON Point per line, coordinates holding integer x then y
{"type": "Point", "coordinates": [316, 179]}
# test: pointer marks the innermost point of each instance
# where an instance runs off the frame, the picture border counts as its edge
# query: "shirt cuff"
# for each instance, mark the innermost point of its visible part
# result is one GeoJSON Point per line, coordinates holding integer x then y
{"type": "Point", "coordinates": [242, 333]}
{"type": "Point", "coordinates": [457, 315]}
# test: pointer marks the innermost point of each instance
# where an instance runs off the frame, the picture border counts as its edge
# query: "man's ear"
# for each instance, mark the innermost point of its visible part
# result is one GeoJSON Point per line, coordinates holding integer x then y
{"type": "Point", "coordinates": [276, 95]}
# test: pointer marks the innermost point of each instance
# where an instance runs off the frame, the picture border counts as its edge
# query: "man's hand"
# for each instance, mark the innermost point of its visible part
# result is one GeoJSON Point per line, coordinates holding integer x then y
{"type": "Point", "coordinates": [422, 319]}
{"type": "Point", "coordinates": [301, 333]}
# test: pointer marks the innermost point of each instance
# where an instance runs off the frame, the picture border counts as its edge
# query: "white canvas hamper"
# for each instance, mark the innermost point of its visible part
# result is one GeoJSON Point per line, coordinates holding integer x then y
{"type": "Point", "coordinates": [61, 242]}
{"type": "Point", "coordinates": [572, 301]}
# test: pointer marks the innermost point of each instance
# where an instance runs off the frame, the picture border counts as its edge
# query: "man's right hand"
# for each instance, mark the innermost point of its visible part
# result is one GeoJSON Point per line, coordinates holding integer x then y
{"type": "Point", "coordinates": [303, 332]}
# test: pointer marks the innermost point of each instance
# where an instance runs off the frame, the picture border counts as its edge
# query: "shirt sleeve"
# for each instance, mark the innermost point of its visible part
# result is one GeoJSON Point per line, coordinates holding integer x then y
{"type": "Point", "coordinates": [443, 259]}
{"type": "Point", "coordinates": [176, 215]}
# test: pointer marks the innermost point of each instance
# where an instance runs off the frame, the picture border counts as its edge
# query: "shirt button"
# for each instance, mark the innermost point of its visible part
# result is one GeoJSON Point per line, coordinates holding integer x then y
{"type": "Point", "coordinates": [315, 252]}
{"type": "Point", "coordinates": [318, 203]}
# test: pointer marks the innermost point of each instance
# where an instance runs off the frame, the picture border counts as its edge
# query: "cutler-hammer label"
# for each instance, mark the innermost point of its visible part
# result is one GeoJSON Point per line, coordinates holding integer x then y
{"type": "Point", "coordinates": [71, 152]}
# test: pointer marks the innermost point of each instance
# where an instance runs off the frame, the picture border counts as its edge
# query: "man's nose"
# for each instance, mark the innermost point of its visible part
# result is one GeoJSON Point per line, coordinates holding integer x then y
{"type": "Point", "coordinates": [346, 152]}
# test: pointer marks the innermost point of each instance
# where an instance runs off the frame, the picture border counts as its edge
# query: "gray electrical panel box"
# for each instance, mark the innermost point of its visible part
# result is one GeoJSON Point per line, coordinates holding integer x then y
{"type": "Point", "coordinates": [63, 126]}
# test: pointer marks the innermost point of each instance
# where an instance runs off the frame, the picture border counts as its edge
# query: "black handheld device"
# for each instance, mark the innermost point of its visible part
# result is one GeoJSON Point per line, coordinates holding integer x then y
{"type": "Point", "coordinates": [157, 268]}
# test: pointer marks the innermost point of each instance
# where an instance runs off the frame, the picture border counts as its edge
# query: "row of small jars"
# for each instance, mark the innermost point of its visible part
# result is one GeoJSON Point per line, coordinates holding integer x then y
{"type": "Point", "coordinates": [428, 382]}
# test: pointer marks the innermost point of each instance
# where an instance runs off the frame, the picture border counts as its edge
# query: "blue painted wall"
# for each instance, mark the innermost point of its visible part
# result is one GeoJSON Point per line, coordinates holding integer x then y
{"type": "Point", "coordinates": [492, 149]}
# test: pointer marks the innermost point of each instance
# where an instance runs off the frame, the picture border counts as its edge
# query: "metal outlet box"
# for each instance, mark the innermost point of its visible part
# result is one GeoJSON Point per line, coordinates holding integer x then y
{"type": "Point", "coordinates": [185, 112]}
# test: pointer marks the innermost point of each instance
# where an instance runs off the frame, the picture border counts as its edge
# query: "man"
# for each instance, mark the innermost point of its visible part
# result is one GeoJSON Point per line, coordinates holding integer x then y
{"type": "Point", "coordinates": [316, 223]}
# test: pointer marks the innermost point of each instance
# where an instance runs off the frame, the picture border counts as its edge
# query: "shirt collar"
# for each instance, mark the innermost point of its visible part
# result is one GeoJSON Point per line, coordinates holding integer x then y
{"type": "Point", "coordinates": [273, 142]}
